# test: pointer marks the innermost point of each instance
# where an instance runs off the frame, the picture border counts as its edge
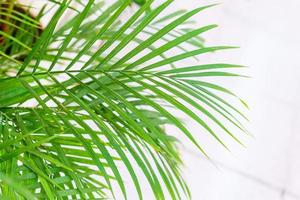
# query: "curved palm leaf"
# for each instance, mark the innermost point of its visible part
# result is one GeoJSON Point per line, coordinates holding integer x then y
{"type": "Point", "coordinates": [78, 103]}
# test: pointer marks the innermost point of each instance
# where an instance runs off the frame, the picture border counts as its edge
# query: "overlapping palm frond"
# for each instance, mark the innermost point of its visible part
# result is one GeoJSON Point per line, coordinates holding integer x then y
{"type": "Point", "coordinates": [83, 98]}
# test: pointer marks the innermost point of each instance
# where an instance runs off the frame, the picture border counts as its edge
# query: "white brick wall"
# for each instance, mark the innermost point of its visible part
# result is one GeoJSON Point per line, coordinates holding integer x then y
{"type": "Point", "coordinates": [269, 168]}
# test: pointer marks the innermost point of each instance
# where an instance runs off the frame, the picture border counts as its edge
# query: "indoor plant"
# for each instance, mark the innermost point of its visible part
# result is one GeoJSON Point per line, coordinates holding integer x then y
{"type": "Point", "coordinates": [81, 98]}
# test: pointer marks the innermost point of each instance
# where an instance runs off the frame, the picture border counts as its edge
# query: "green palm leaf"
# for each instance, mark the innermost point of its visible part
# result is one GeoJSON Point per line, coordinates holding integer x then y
{"type": "Point", "coordinates": [78, 104]}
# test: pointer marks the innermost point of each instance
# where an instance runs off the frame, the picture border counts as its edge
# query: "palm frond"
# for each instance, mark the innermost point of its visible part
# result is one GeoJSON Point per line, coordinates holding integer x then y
{"type": "Point", "coordinates": [92, 96]}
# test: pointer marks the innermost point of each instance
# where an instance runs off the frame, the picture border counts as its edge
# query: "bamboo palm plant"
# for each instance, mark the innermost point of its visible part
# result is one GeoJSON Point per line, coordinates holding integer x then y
{"type": "Point", "coordinates": [85, 97]}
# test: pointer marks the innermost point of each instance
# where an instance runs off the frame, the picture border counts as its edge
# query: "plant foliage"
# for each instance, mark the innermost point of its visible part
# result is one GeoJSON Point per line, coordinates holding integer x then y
{"type": "Point", "coordinates": [90, 94]}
